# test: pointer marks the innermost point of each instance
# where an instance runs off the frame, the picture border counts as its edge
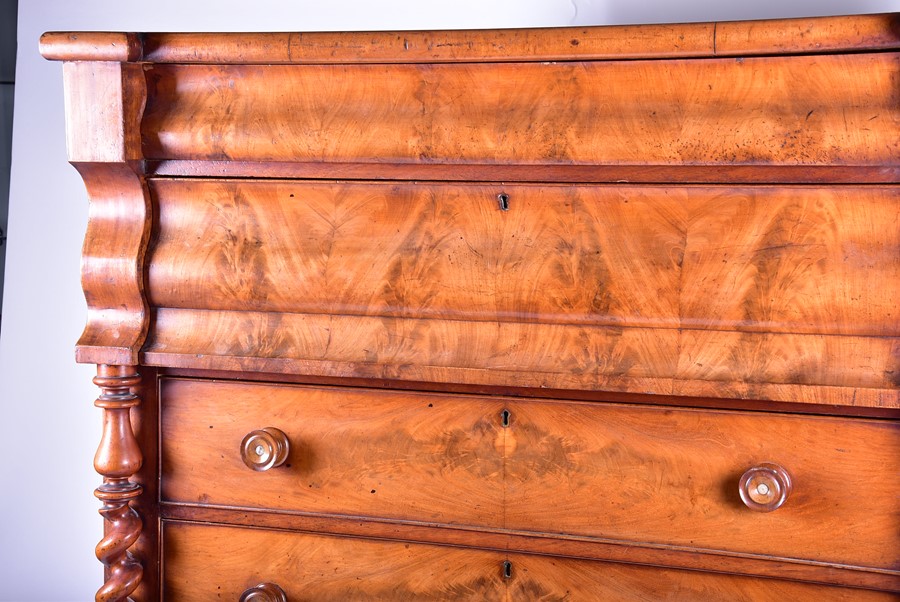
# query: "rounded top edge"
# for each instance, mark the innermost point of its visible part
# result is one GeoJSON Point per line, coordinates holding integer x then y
{"type": "Point", "coordinates": [91, 46]}
{"type": "Point", "coordinates": [811, 35]}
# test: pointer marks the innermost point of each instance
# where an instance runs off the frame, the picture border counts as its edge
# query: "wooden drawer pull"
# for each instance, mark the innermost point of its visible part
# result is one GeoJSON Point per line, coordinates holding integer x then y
{"type": "Point", "coordinates": [265, 448]}
{"type": "Point", "coordinates": [264, 592]}
{"type": "Point", "coordinates": [765, 487]}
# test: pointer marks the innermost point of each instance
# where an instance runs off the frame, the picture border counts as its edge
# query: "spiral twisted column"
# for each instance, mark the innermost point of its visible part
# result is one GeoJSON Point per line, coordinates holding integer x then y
{"type": "Point", "coordinates": [118, 458]}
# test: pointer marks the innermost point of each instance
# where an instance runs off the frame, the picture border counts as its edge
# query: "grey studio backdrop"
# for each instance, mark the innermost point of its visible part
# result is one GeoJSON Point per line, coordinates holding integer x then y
{"type": "Point", "coordinates": [48, 515]}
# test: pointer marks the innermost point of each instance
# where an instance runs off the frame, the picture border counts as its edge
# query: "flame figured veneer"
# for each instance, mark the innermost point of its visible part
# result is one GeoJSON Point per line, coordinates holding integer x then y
{"type": "Point", "coordinates": [584, 313]}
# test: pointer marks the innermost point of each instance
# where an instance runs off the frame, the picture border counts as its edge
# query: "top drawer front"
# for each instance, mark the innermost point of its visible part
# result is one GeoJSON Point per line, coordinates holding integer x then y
{"type": "Point", "coordinates": [555, 120]}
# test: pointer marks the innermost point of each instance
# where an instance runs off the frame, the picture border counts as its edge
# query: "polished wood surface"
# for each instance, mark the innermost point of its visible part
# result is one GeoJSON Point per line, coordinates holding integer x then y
{"type": "Point", "coordinates": [622, 472]}
{"type": "Point", "coordinates": [145, 425]}
{"type": "Point", "coordinates": [753, 405]}
{"type": "Point", "coordinates": [810, 260]}
{"type": "Point", "coordinates": [510, 354]}
{"type": "Point", "coordinates": [576, 174]}
{"type": "Point", "coordinates": [203, 559]}
{"type": "Point", "coordinates": [118, 458]}
{"type": "Point", "coordinates": [103, 109]}
{"type": "Point", "coordinates": [802, 35]}
{"type": "Point", "coordinates": [314, 567]}
{"type": "Point", "coordinates": [624, 551]}
{"type": "Point", "coordinates": [542, 246]}
{"type": "Point", "coordinates": [557, 114]}
{"type": "Point", "coordinates": [672, 476]}
{"type": "Point", "coordinates": [91, 46]}
{"type": "Point", "coordinates": [543, 578]}
{"type": "Point", "coordinates": [735, 270]}
{"type": "Point", "coordinates": [353, 452]}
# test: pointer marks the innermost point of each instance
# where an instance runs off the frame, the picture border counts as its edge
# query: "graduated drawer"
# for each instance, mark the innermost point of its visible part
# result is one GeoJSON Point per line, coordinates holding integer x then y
{"type": "Point", "coordinates": [644, 474]}
{"type": "Point", "coordinates": [783, 293]}
{"type": "Point", "coordinates": [827, 116]}
{"type": "Point", "coordinates": [203, 561]}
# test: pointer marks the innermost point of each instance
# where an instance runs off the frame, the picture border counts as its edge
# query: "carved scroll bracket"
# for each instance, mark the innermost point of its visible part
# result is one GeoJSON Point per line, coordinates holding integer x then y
{"type": "Point", "coordinates": [104, 104]}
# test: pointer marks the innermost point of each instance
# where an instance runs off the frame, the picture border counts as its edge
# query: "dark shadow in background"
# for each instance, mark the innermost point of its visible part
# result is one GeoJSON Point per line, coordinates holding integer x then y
{"type": "Point", "coordinates": [8, 21]}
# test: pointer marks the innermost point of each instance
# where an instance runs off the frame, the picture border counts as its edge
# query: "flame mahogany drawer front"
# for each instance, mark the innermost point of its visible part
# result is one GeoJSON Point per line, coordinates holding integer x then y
{"type": "Point", "coordinates": [642, 473]}
{"type": "Point", "coordinates": [533, 115]}
{"type": "Point", "coordinates": [702, 289]}
{"type": "Point", "coordinates": [577, 313]}
{"type": "Point", "coordinates": [230, 561]}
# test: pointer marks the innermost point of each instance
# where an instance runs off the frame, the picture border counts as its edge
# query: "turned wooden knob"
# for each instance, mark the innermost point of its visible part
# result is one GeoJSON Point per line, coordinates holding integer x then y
{"type": "Point", "coordinates": [264, 592]}
{"type": "Point", "coordinates": [765, 487]}
{"type": "Point", "coordinates": [264, 449]}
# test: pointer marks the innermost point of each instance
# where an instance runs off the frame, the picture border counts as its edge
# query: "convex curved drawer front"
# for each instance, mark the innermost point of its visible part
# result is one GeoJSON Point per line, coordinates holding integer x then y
{"type": "Point", "coordinates": [794, 111]}
{"type": "Point", "coordinates": [230, 561]}
{"type": "Point", "coordinates": [704, 257]}
{"type": "Point", "coordinates": [639, 473]}
{"type": "Point", "coordinates": [696, 290]}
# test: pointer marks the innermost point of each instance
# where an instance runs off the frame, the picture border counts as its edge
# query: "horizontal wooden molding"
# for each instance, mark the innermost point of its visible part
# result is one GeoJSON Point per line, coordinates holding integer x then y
{"type": "Point", "coordinates": [576, 174]}
{"type": "Point", "coordinates": [765, 366]}
{"type": "Point", "coordinates": [91, 46]}
{"type": "Point", "coordinates": [787, 36]}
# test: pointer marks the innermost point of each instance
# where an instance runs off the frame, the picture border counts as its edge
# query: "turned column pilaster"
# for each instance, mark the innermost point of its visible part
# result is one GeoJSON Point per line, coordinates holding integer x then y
{"type": "Point", "coordinates": [117, 459]}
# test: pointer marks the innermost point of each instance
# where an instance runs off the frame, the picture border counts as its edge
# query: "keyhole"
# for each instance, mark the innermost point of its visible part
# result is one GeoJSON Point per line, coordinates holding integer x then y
{"type": "Point", "coordinates": [507, 569]}
{"type": "Point", "coordinates": [504, 418]}
{"type": "Point", "coordinates": [503, 199]}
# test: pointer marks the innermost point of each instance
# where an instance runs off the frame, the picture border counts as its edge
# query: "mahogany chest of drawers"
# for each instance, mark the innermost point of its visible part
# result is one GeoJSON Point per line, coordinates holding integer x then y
{"type": "Point", "coordinates": [567, 314]}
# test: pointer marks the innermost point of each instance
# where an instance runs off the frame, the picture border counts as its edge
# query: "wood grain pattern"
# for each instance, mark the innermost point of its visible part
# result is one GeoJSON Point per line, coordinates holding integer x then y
{"type": "Point", "coordinates": [804, 35]}
{"type": "Point", "coordinates": [750, 285]}
{"type": "Point", "coordinates": [589, 548]}
{"type": "Point", "coordinates": [104, 102]}
{"type": "Point", "coordinates": [657, 475]}
{"type": "Point", "coordinates": [576, 174]}
{"type": "Point", "coordinates": [628, 360]}
{"type": "Point", "coordinates": [91, 46]}
{"type": "Point", "coordinates": [672, 476]}
{"type": "Point", "coordinates": [807, 35]}
{"type": "Point", "coordinates": [641, 41]}
{"type": "Point", "coordinates": [314, 567]}
{"type": "Point", "coordinates": [831, 409]}
{"type": "Point", "coordinates": [713, 278]}
{"type": "Point", "coordinates": [590, 113]}
{"type": "Point", "coordinates": [810, 260]}
{"type": "Point", "coordinates": [118, 458]}
{"type": "Point", "coordinates": [412, 456]}
{"type": "Point", "coordinates": [203, 559]}
{"type": "Point", "coordinates": [547, 578]}
{"type": "Point", "coordinates": [145, 425]}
